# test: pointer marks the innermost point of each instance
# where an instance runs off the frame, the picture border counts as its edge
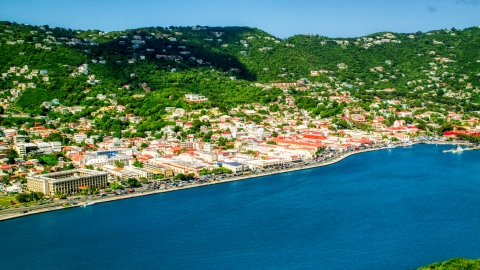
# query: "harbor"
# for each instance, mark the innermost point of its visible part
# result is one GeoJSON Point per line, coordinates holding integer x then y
{"type": "Point", "coordinates": [369, 205]}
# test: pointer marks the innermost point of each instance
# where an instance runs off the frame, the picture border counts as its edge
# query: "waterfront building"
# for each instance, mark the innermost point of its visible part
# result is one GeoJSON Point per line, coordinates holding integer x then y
{"type": "Point", "coordinates": [156, 170]}
{"type": "Point", "coordinates": [179, 164]}
{"type": "Point", "coordinates": [141, 172]}
{"type": "Point", "coordinates": [66, 182]}
{"type": "Point", "coordinates": [235, 167]}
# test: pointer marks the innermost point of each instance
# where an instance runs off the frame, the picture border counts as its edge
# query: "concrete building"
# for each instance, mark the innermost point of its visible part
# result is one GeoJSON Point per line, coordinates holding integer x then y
{"type": "Point", "coordinates": [120, 172]}
{"type": "Point", "coordinates": [209, 157]}
{"type": "Point", "coordinates": [23, 149]}
{"type": "Point", "coordinates": [141, 172]}
{"type": "Point", "coordinates": [235, 167]}
{"type": "Point", "coordinates": [101, 158]}
{"type": "Point", "coordinates": [156, 170]}
{"type": "Point", "coordinates": [56, 146]}
{"type": "Point", "coordinates": [19, 139]}
{"type": "Point", "coordinates": [66, 182]}
{"type": "Point", "coordinates": [44, 148]}
{"type": "Point", "coordinates": [10, 133]}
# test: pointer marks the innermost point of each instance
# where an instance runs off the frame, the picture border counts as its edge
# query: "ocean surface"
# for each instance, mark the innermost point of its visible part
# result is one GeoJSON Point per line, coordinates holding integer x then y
{"type": "Point", "coordinates": [391, 209]}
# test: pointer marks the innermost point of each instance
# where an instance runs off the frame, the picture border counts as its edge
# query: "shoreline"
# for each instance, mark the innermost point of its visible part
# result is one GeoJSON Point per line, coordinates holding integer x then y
{"type": "Point", "coordinates": [57, 206]}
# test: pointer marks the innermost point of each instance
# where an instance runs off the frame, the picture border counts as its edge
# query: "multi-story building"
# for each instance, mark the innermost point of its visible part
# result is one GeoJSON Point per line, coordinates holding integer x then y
{"type": "Point", "coordinates": [44, 147]}
{"type": "Point", "coordinates": [67, 182]}
{"type": "Point", "coordinates": [141, 172]}
{"type": "Point", "coordinates": [56, 146]}
{"type": "Point", "coordinates": [23, 149]}
{"type": "Point", "coordinates": [10, 133]}
{"type": "Point", "coordinates": [156, 170]}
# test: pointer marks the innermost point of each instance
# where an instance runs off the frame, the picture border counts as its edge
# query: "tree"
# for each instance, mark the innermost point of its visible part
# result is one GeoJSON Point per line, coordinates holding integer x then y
{"type": "Point", "coordinates": [22, 198]}
{"type": "Point", "coordinates": [5, 180]}
{"type": "Point", "coordinates": [115, 185]}
{"type": "Point", "coordinates": [180, 176]}
{"type": "Point", "coordinates": [69, 167]}
{"type": "Point", "coordinates": [33, 196]}
{"type": "Point", "coordinates": [132, 182]}
{"type": "Point", "coordinates": [119, 164]}
{"type": "Point", "coordinates": [137, 163]}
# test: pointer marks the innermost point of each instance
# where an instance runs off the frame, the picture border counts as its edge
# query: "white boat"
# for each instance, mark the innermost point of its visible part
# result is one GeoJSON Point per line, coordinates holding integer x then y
{"type": "Point", "coordinates": [407, 144]}
{"type": "Point", "coordinates": [391, 146]}
{"type": "Point", "coordinates": [458, 150]}
{"type": "Point", "coordinates": [89, 203]}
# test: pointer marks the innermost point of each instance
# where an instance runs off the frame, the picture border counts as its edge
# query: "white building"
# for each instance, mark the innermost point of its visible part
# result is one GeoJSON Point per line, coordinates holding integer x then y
{"type": "Point", "coordinates": [56, 146]}
{"type": "Point", "coordinates": [235, 167]}
{"type": "Point", "coordinates": [140, 171]}
{"type": "Point", "coordinates": [44, 148]}
{"type": "Point", "coordinates": [78, 138]}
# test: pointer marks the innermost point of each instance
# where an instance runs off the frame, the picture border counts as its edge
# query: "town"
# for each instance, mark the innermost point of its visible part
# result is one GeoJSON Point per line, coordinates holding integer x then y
{"type": "Point", "coordinates": [34, 162]}
{"type": "Point", "coordinates": [179, 116]}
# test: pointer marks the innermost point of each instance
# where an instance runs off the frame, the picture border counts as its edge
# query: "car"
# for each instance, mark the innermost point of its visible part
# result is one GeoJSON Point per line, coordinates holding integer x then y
{"type": "Point", "coordinates": [131, 190]}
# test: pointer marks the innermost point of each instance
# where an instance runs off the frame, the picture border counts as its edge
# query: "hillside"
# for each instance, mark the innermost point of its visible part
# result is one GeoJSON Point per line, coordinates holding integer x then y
{"type": "Point", "coordinates": [148, 69]}
{"type": "Point", "coordinates": [453, 264]}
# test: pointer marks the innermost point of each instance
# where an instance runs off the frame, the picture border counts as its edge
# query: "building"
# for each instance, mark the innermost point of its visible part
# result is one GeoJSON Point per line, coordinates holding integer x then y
{"type": "Point", "coordinates": [44, 148]}
{"type": "Point", "coordinates": [235, 167]}
{"type": "Point", "coordinates": [101, 158]}
{"type": "Point", "coordinates": [141, 172]}
{"type": "Point", "coordinates": [67, 182]}
{"type": "Point", "coordinates": [23, 149]}
{"type": "Point", "coordinates": [195, 98]}
{"type": "Point", "coordinates": [78, 138]}
{"type": "Point", "coordinates": [19, 139]}
{"type": "Point", "coordinates": [157, 170]}
{"type": "Point", "coordinates": [56, 146]}
{"type": "Point", "coordinates": [120, 172]}
{"type": "Point", "coordinates": [209, 157]}
{"type": "Point", "coordinates": [10, 133]}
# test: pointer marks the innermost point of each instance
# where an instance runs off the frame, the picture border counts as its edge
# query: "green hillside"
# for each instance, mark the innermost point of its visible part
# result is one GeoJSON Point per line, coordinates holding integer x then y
{"type": "Point", "coordinates": [233, 65]}
{"type": "Point", "coordinates": [454, 264]}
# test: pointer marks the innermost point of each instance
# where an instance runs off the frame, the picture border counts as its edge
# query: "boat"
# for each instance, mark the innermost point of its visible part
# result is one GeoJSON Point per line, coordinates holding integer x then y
{"type": "Point", "coordinates": [407, 144]}
{"type": "Point", "coordinates": [458, 150]}
{"type": "Point", "coordinates": [391, 146]}
{"type": "Point", "coordinates": [89, 203]}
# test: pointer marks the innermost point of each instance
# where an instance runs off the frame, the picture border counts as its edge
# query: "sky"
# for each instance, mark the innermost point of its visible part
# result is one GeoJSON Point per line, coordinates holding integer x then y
{"type": "Point", "coordinates": [281, 18]}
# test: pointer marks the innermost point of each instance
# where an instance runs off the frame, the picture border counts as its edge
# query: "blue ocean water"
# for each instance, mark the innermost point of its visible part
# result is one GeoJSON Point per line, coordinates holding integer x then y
{"type": "Point", "coordinates": [391, 209]}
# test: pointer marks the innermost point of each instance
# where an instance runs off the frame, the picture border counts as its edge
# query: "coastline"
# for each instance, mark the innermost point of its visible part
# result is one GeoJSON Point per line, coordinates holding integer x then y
{"type": "Point", "coordinates": [58, 206]}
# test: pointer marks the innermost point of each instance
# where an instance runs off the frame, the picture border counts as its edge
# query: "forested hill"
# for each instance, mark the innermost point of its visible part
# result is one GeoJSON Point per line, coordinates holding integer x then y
{"type": "Point", "coordinates": [149, 69]}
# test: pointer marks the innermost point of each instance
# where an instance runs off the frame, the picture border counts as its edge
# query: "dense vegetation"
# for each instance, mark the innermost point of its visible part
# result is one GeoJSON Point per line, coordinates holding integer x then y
{"type": "Point", "coordinates": [454, 264]}
{"type": "Point", "coordinates": [148, 69]}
